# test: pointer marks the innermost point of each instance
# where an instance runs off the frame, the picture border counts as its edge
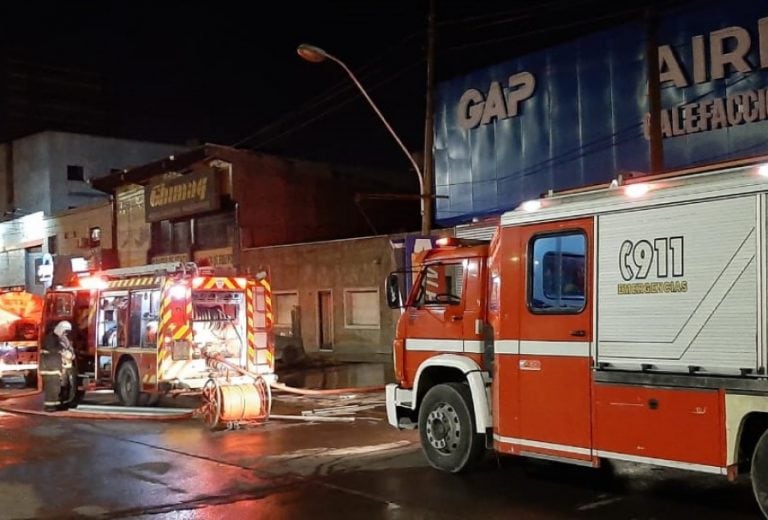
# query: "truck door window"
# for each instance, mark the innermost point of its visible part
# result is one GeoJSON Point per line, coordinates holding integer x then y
{"type": "Point", "coordinates": [113, 320]}
{"type": "Point", "coordinates": [144, 317]}
{"type": "Point", "coordinates": [441, 284]}
{"type": "Point", "coordinates": [557, 273]}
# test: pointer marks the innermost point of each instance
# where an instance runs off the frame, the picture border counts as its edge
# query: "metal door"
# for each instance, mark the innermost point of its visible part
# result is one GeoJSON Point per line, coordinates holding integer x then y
{"type": "Point", "coordinates": [555, 339]}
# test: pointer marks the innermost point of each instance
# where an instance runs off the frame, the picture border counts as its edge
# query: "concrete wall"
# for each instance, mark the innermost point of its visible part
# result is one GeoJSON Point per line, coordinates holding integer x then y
{"type": "Point", "coordinates": [31, 173]}
{"type": "Point", "coordinates": [5, 167]}
{"type": "Point", "coordinates": [304, 201]}
{"type": "Point", "coordinates": [71, 226]}
{"type": "Point", "coordinates": [133, 231]}
{"type": "Point", "coordinates": [29, 235]}
{"type": "Point", "coordinates": [12, 268]}
{"type": "Point", "coordinates": [333, 265]}
{"type": "Point", "coordinates": [40, 167]}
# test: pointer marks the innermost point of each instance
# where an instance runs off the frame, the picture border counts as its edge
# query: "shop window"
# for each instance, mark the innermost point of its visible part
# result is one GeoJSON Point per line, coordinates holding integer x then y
{"type": "Point", "coordinates": [557, 279]}
{"type": "Point", "coordinates": [94, 234]}
{"type": "Point", "coordinates": [285, 303]}
{"type": "Point", "coordinates": [214, 231]}
{"type": "Point", "coordinates": [53, 244]}
{"type": "Point", "coordinates": [361, 308]}
{"type": "Point", "coordinates": [169, 238]}
{"type": "Point", "coordinates": [75, 173]}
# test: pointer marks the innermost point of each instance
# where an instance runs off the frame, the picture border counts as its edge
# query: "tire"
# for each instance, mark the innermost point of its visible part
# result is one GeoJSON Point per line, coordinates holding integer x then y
{"type": "Point", "coordinates": [447, 428]}
{"type": "Point", "coordinates": [759, 473]}
{"type": "Point", "coordinates": [128, 390]}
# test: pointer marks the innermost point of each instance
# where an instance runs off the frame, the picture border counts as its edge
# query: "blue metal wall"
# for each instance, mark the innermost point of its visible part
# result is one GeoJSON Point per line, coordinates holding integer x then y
{"type": "Point", "coordinates": [583, 124]}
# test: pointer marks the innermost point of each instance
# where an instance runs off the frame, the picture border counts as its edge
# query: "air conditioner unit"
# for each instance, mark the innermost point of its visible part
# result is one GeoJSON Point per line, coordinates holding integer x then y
{"type": "Point", "coordinates": [83, 243]}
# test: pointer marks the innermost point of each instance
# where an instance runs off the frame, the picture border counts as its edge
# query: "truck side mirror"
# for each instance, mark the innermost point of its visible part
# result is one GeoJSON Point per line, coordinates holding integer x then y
{"type": "Point", "coordinates": [392, 290]}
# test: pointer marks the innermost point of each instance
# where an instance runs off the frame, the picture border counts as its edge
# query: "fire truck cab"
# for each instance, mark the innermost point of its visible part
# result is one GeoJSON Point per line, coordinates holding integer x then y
{"type": "Point", "coordinates": [626, 322]}
{"type": "Point", "coordinates": [150, 330]}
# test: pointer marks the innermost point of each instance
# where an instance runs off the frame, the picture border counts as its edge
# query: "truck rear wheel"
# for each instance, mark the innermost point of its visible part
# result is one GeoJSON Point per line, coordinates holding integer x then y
{"type": "Point", "coordinates": [128, 390]}
{"type": "Point", "coordinates": [759, 472]}
{"type": "Point", "coordinates": [447, 428]}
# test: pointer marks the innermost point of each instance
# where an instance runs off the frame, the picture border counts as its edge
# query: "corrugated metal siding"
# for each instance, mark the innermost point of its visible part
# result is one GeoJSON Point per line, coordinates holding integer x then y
{"type": "Point", "coordinates": [583, 124]}
{"type": "Point", "coordinates": [475, 232]}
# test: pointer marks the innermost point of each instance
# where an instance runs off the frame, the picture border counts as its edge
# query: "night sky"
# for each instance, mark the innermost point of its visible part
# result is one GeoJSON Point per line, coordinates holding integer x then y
{"type": "Point", "coordinates": [228, 72]}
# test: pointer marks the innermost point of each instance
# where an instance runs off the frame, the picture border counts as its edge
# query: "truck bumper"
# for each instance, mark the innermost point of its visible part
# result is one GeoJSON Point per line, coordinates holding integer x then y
{"type": "Point", "coordinates": [397, 397]}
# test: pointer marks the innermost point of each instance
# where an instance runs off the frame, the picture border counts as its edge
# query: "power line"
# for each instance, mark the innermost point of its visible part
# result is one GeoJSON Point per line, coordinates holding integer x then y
{"type": "Point", "coordinates": [569, 25]}
{"type": "Point", "coordinates": [341, 88]}
{"type": "Point", "coordinates": [334, 108]}
{"type": "Point", "coordinates": [518, 14]}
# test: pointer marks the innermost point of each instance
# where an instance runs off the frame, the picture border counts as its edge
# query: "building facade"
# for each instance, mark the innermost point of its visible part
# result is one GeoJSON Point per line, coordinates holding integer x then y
{"type": "Point", "coordinates": [37, 251]}
{"type": "Point", "coordinates": [52, 171]}
{"type": "Point", "coordinates": [328, 296]}
{"type": "Point", "coordinates": [237, 211]}
{"type": "Point", "coordinates": [578, 114]}
{"type": "Point", "coordinates": [210, 203]}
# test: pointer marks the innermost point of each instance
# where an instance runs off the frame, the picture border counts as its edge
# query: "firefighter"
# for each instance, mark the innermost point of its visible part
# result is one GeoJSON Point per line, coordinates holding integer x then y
{"type": "Point", "coordinates": [57, 368]}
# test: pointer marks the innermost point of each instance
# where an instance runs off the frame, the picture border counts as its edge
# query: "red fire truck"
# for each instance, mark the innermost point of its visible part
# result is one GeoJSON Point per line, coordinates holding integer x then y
{"type": "Point", "coordinates": [627, 321]}
{"type": "Point", "coordinates": [20, 314]}
{"type": "Point", "coordinates": [147, 331]}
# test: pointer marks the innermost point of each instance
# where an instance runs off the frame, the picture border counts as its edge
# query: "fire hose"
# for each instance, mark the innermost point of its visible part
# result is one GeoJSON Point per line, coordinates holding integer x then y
{"type": "Point", "coordinates": [82, 413]}
{"type": "Point", "coordinates": [234, 403]}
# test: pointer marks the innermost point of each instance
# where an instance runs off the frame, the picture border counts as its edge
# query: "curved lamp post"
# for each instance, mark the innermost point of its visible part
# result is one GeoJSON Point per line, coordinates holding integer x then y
{"type": "Point", "coordinates": [316, 55]}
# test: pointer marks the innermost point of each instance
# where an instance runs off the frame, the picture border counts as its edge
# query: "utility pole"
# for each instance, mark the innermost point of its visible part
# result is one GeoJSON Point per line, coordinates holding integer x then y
{"type": "Point", "coordinates": [426, 217]}
{"type": "Point", "coordinates": [654, 93]}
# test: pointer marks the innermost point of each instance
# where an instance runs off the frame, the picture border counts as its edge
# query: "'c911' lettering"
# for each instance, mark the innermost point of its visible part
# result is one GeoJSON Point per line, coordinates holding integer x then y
{"type": "Point", "coordinates": [640, 259]}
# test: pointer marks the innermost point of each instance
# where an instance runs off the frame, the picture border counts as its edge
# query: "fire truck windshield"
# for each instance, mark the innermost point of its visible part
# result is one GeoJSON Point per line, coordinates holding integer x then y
{"type": "Point", "coordinates": [218, 322]}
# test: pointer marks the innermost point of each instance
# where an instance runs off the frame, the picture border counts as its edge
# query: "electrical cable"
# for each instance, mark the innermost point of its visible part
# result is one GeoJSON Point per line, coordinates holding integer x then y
{"type": "Point", "coordinates": [334, 108]}
{"type": "Point", "coordinates": [342, 87]}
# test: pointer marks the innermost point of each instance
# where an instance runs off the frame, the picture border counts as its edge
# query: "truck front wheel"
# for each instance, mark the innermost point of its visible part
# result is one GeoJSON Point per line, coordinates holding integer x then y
{"type": "Point", "coordinates": [128, 390]}
{"type": "Point", "coordinates": [447, 428]}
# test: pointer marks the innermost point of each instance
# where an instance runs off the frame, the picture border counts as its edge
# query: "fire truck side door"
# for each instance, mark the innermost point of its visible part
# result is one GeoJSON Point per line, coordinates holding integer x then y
{"type": "Point", "coordinates": [555, 338]}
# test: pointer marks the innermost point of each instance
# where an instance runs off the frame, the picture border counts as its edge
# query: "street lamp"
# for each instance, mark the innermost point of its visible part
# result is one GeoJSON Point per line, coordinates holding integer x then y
{"type": "Point", "coordinates": [316, 55]}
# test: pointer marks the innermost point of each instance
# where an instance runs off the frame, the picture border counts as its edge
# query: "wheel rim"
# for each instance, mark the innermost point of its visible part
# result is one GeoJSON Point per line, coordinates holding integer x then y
{"type": "Point", "coordinates": [211, 403]}
{"type": "Point", "coordinates": [444, 428]}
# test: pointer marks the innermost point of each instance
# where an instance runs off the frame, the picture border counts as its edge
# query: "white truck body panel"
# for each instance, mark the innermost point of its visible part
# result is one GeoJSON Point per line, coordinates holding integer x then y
{"type": "Point", "coordinates": [678, 286]}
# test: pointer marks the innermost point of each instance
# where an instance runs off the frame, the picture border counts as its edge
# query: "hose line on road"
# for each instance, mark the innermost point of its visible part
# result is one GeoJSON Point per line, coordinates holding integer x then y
{"type": "Point", "coordinates": [78, 413]}
{"type": "Point", "coordinates": [216, 358]}
{"type": "Point", "coordinates": [74, 414]}
{"type": "Point", "coordinates": [329, 391]}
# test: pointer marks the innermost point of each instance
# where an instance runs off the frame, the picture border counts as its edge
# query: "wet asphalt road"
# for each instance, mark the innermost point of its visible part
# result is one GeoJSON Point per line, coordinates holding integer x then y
{"type": "Point", "coordinates": [66, 468]}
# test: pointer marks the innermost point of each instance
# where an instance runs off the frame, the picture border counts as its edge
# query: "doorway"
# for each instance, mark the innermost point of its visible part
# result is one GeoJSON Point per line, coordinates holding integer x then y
{"type": "Point", "coordinates": [325, 319]}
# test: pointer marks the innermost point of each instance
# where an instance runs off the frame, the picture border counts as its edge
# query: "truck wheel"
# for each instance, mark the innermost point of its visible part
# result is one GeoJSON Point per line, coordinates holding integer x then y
{"type": "Point", "coordinates": [128, 390]}
{"type": "Point", "coordinates": [759, 472]}
{"type": "Point", "coordinates": [447, 428]}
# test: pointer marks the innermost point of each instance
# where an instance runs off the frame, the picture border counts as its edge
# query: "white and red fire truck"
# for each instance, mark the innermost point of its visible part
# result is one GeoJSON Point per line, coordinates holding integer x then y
{"type": "Point", "coordinates": [627, 321]}
{"type": "Point", "coordinates": [149, 330]}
